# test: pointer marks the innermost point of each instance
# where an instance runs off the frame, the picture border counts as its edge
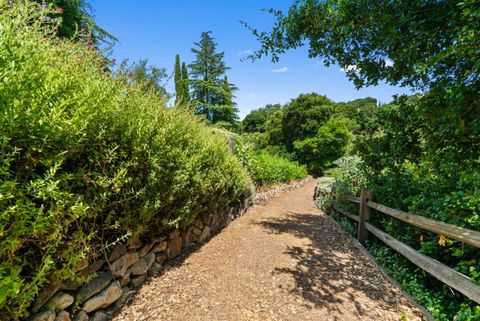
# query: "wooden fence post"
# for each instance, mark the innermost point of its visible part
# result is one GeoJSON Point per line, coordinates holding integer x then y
{"type": "Point", "coordinates": [231, 145]}
{"type": "Point", "coordinates": [364, 215]}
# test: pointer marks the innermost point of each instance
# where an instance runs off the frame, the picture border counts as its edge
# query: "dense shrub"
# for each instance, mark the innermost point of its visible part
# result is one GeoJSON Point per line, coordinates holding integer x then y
{"type": "Point", "coordinates": [393, 168]}
{"type": "Point", "coordinates": [311, 129]}
{"type": "Point", "coordinates": [86, 158]}
{"type": "Point", "coordinates": [329, 143]}
{"type": "Point", "coordinates": [349, 175]}
{"type": "Point", "coordinates": [265, 168]}
{"type": "Point", "coordinates": [349, 178]}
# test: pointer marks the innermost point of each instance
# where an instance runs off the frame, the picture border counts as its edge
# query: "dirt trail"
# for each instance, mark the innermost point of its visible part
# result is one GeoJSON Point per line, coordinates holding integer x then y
{"type": "Point", "coordinates": [284, 260]}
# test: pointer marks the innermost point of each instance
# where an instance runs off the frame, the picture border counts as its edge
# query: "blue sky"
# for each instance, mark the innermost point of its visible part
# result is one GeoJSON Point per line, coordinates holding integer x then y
{"type": "Point", "coordinates": [157, 30]}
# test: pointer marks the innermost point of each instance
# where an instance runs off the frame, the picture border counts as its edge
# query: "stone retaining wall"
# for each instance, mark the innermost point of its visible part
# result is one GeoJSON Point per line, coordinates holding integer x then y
{"type": "Point", "coordinates": [125, 268]}
{"type": "Point", "coordinates": [263, 196]}
{"type": "Point", "coordinates": [121, 271]}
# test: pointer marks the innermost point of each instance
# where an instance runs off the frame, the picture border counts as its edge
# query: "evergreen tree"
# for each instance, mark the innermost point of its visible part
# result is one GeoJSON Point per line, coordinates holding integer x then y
{"type": "Point", "coordinates": [227, 111]}
{"type": "Point", "coordinates": [227, 92]}
{"type": "Point", "coordinates": [178, 81]}
{"type": "Point", "coordinates": [185, 83]}
{"type": "Point", "coordinates": [208, 82]}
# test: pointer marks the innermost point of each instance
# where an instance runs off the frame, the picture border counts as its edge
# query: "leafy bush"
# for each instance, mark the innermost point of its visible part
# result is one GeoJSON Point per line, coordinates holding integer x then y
{"type": "Point", "coordinates": [349, 175]}
{"type": "Point", "coordinates": [311, 129]}
{"type": "Point", "coordinates": [86, 158]}
{"type": "Point", "coordinates": [329, 143]}
{"type": "Point", "coordinates": [438, 298]}
{"type": "Point", "coordinates": [265, 168]}
{"type": "Point", "coordinates": [406, 166]}
{"type": "Point", "coordinates": [350, 179]}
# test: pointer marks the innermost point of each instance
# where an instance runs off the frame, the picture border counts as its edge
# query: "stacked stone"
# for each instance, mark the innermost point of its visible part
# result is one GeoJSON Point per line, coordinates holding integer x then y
{"type": "Point", "coordinates": [262, 197]}
{"type": "Point", "coordinates": [125, 269]}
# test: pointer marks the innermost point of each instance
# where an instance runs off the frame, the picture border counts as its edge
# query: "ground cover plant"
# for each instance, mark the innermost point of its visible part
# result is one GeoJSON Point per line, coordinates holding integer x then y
{"type": "Point", "coordinates": [87, 158]}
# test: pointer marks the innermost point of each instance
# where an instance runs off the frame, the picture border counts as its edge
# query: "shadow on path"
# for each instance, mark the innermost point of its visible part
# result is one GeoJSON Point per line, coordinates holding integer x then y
{"type": "Point", "coordinates": [329, 272]}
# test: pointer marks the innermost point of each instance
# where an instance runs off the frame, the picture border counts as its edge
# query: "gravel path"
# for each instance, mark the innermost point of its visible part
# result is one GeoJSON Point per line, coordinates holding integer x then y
{"type": "Point", "coordinates": [284, 260]}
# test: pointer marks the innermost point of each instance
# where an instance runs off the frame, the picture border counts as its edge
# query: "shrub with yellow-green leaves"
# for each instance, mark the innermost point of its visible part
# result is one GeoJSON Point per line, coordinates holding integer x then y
{"type": "Point", "coordinates": [265, 168]}
{"type": "Point", "coordinates": [86, 158]}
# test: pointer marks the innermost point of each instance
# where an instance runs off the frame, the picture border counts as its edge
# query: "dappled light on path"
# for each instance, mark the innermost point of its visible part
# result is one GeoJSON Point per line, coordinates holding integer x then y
{"type": "Point", "coordinates": [330, 272]}
{"type": "Point", "coordinates": [284, 260]}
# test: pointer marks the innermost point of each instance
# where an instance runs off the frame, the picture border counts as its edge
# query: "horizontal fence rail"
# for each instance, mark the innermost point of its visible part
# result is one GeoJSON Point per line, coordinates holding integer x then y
{"type": "Point", "coordinates": [445, 274]}
{"type": "Point", "coordinates": [353, 217]}
{"type": "Point", "coordinates": [440, 271]}
{"type": "Point", "coordinates": [352, 199]}
{"type": "Point", "coordinates": [441, 228]}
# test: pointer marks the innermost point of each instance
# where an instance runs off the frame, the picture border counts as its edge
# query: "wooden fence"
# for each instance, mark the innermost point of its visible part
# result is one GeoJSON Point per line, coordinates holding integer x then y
{"type": "Point", "coordinates": [440, 271]}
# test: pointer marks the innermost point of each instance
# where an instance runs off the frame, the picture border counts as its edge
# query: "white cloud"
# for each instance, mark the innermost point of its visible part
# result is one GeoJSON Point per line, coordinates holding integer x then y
{"type": "Point", "coordinates": [245, 52]}
{"type": "Point", "coordinates": [283, 69]}
{"type": "Point", "coordinates": [349, 68]}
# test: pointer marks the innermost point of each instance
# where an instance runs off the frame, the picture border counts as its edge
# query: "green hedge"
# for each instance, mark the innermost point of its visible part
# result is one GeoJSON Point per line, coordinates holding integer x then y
{"type": "Point", "coordinates": [86, 158]}
{"type": "Point", "coordinates": [265, 168]}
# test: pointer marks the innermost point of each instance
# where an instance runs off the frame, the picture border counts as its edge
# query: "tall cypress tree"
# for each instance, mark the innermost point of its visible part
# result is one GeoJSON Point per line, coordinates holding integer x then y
{"type": "Point", "coordinates": [178, 81]}
{"type": "Point", "coordinates": [207, 77]}
{"type": "Point", "coordinates": [185, 83]}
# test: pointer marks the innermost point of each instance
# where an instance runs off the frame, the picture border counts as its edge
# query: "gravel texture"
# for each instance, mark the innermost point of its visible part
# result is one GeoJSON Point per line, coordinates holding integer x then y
{"type": "Point", "coordinates": [284, 260]}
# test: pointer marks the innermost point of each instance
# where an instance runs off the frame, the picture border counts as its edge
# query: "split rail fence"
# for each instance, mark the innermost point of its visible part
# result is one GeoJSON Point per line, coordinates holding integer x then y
{"type": "Point", "coordinates": [440, 271]}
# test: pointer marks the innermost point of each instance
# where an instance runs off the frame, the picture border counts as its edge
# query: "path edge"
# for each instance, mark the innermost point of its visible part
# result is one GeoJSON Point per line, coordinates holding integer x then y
{"type": "Point", "coordinates": [269, 193]}
{"type": "Point", "coordinates": [394, 282]}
